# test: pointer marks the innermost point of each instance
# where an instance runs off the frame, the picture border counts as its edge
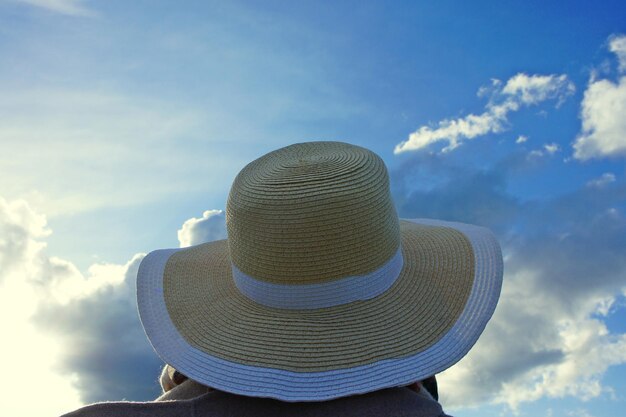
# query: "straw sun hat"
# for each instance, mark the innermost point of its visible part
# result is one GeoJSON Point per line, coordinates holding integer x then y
{"type": "Point", "coordinates": [320, 291]}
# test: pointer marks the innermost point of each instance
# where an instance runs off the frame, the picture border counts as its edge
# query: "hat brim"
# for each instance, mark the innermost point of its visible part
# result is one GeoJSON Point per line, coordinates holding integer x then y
{"type": "Point", "coordinates": [198, 322]}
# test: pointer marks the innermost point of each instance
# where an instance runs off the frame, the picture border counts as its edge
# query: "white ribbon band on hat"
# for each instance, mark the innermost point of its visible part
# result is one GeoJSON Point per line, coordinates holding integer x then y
{"type": "Point", "coordinates": [328, 294]}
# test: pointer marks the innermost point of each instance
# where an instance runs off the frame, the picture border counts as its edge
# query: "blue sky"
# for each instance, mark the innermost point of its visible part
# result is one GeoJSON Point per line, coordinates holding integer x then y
{"type": "Point", "coordinates": [123, 123]}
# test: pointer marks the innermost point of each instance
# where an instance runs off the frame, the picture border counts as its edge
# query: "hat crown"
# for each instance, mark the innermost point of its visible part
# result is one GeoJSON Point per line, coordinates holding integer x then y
{"type": "Point", "coordinates": [311, 213]}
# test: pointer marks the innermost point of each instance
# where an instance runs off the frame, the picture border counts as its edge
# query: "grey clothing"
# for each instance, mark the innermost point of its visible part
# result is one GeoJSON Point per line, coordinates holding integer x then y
{"type": "Point", "coordinates": [191, 399]}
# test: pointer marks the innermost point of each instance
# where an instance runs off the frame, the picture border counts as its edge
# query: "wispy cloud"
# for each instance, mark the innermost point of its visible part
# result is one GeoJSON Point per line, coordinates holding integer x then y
{"type": "Point", "coordinates": [617, 45]}
{"type": "Point", "coordinates": [604, 180]}
{"type": "Point", "coordinates": [66, 7]}
{"type": "Point", "coordinates": [74, 150]}
{"type": "Point", "coordinates": [603, 132]}
{"type": "Point", "coordinates": [519, 91]}
{"type": "Point", "coordinates": [547, 148]}
{"type": "Point", "coordinates": [551, 148]}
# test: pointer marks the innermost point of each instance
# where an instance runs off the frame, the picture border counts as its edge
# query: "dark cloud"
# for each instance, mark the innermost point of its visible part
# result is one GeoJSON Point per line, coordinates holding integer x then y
{"type": "Point", "coordinates": [564, 258]}
{"type": "Point", "coordinates": [431, 186]}
{"type": "Point", "coordinates": [105, 347]}
{"type": "Point", "coordinates": [583, 256]}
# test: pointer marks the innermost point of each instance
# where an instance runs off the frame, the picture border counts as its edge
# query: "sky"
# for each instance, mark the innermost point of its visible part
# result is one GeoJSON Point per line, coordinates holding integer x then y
{"type": "Point", "coordinates": [123, 124]}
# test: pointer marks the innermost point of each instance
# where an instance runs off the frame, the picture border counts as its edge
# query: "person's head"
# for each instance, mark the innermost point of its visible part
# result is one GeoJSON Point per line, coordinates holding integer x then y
{"type": "Point", "coordinates": [320, 290]}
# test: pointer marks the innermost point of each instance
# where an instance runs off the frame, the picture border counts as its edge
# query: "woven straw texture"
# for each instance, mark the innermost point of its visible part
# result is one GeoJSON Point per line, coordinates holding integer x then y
{"type": "Point", "coordinates": [235, 377]}
{"type": "Point", "coordinates": [425, 301]}
{"type": "Point", "coordinates": [312, 212]}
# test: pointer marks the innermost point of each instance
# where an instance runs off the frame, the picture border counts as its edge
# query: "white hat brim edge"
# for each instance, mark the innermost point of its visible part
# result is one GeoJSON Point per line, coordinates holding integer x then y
{"type": "Point", "coordinates": [320, 386]}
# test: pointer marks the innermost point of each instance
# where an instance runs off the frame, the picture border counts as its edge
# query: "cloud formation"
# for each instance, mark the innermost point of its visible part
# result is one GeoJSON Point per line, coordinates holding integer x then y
{"type": "Point", "coordinates": [519, 91]}
{"type": "Point", "coordinates": [603, 132]}
{"type": "Point", "coordinates": [211, 226]}
{"type": "Point", "coordinates": [96, 349]}
{"type": "Point", "coordinates": [547, 148]}
{"type": "Point", "coordinates": [603, 181]}
{"type": "Point", "coordinates": [617, 45]}
{"type": "Point", "coordinates": [75, 338]}
{"type": "Point", "coordinates": [564, 268]}
{"type": "Point", "coordinates": [551, 148]}
{"type": "Point", "coordinates": [29, 355]}
{"type": "Point", "coordinates": [105, 347]}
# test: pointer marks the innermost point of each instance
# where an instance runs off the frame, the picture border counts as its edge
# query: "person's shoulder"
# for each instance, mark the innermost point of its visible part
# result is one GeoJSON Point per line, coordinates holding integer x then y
{"type": "Point", "coordinates": [389, 402]}
{"type": "Point", "coordinates": [134, 409]}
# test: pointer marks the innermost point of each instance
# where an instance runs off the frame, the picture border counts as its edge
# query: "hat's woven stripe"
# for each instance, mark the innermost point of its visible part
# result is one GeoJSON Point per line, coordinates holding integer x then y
{"type": "Point", "coordinates": [327, 294]}
{"type": "Point", "coordinates": [318, 386]}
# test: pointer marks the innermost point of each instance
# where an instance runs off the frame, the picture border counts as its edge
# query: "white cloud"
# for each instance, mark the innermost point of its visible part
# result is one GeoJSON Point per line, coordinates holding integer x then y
{"type": "Point", "coordinates": [519, 91]}
{"type": "Point", "coordinates": [617, 45]}
{"type": "Point", "coordinates": [603, 181]}
{"type": "Point", "coordinates": [537, 88]}
{"type": "Point", "coordinates": [557, 356]}
{"type": "Point", "coordinates": [579, 412]}
{"type": "Point", "coordinates": [66, 7]}
{"type": "Point", "coordinates": [211, 226]}
{"type": "Point", "coordinates": [521, 139]}
{"type": "Point", "coordinates": [548, 148]}
{"type": "Point", "coordinates": [30, 356]}
{"type": "Point", "coordinates": [537, 345]}
{"type": "Point", "coordinates": [603, 123]}
{"type": "Point", "coordinates": [551, 148]}
{"type": "Point", "coordinates": [602, 111]}
{"type": "Point", "coordinates": [19, 228]}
